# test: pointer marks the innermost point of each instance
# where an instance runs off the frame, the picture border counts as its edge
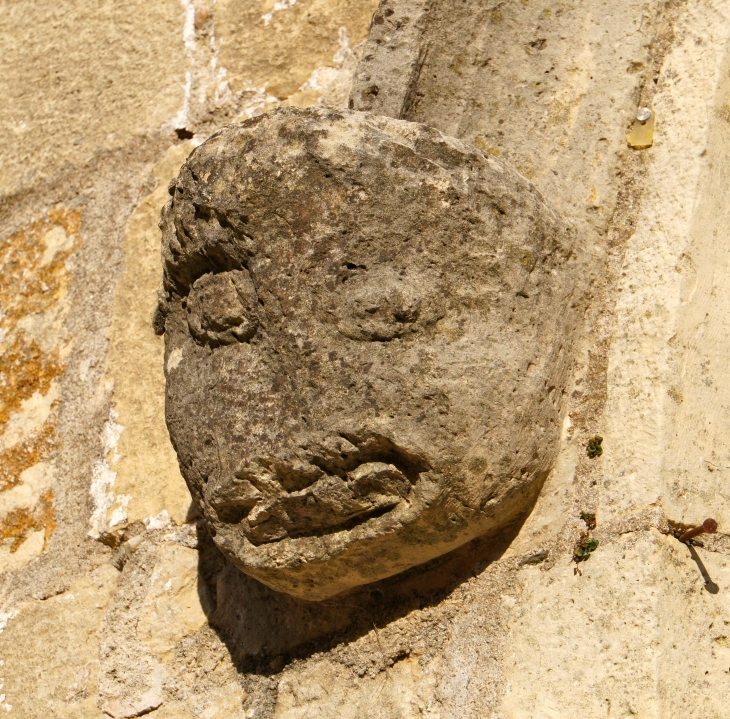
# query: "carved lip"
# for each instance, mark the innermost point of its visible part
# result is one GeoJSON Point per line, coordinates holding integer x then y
{"type": "Point", "coordinates": [328, 485]}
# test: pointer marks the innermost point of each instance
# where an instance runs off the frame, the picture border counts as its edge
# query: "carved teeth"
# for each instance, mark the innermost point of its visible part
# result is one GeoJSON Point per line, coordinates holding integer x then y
{"type": "Point", "coordinates": [260, 513]}
{"type": "Point", "coordinates": [378, 478]}
{"type": "Point", "coordinates": [329, 504]}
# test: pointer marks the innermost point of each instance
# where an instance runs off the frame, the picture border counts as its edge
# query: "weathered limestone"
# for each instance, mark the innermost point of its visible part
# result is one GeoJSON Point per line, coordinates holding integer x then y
{"type": "Point", "coordinates": [607, 645]}
{"type": "Point", "coordinates": [93, 94]}
{"type": "Point", "coordinates": [669, 373]}
{"type": "Point", "coordinates": [34, 345]}
{"type": "Point", "coordinates": [290, 51]}
{"type": "Point", "coordinates": [369, 330]}
{"type": "Point", "coordinates": [143, 483]}
{"type": "Point", "coordinates": [52, 646]}
{"type": "Point", "coordinates": [172, 610]}
{"type": "Point", "coordinates": [393, 56]}
{"type": "Point", "coordinates": [159, 604]}
{"type": "Point", "coordinates": [321, 690]}
{"type": "Point", "coordinates": [81, 79]}
{"type": "Point", "coordinates": [92, 98]}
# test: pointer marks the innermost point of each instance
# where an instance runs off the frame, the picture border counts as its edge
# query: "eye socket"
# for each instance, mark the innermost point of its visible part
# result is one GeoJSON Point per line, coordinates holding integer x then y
{"type": "Point", "coordinates": [381, 305]}
{"type": "Point", "coordinates": [222, 308]}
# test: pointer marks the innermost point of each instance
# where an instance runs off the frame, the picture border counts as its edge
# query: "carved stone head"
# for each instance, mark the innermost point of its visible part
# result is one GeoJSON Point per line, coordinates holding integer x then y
{"type": "Point", "coordinates": [368, 330]}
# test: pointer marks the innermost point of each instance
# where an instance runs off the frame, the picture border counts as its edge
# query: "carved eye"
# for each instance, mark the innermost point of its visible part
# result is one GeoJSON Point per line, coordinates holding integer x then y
{"type": "Point", "coordinates": [221, 308]}
{"type": "Point", "coordinates": [379, 306]}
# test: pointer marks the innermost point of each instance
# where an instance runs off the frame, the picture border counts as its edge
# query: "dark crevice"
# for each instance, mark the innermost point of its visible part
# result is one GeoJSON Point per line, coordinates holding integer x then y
{"type": "Point", "coordinates": [346, 525]}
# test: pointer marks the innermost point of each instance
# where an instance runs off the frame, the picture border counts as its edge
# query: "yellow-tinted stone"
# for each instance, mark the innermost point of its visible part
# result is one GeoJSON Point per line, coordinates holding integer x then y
{"type": "Point", "coordinates": [145, 464]}
{"type": "Point", "coordinates": [228, 702]}
{"type": "Point", "coordinates": [50, 651]}
{"type": "Point", "coordinates": [323, 690]}
{"type": "Point", "coordinates": [77, 75]}
{"type": "Point", "coordinates": [172, 609]}
{"type": "Point", "coordinates": [33, 345]}
{"type": "Point", "coordinates": [278, 45]}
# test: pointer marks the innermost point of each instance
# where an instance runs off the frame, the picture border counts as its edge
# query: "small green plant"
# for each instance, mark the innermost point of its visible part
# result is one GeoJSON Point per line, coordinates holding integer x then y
{"type": "Point", "coordinates": [585, 547]}
{"type": "Point", "coordinates": [594, 448]}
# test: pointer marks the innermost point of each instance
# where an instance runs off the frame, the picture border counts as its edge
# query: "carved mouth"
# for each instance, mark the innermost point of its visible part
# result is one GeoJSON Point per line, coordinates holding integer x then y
{"type": "Point", "coordinates": [326, 486]}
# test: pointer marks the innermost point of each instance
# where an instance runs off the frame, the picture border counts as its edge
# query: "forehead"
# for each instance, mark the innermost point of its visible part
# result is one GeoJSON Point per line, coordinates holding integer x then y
{"type": "Point", "coordinates": [314, 257]}
{"type": "Point", "coordinates": [296, 195]}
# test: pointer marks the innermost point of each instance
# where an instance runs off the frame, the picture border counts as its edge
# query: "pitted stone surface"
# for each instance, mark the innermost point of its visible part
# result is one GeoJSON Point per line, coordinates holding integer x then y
{"type": "Point", "coordinates": [371, 327]}
{"type": "Point", "coordinates": [551, 90]}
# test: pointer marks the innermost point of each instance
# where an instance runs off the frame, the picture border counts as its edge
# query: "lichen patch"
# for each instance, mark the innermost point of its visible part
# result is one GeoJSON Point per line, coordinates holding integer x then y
{"type": "Point", "coordinates": [33, 263]}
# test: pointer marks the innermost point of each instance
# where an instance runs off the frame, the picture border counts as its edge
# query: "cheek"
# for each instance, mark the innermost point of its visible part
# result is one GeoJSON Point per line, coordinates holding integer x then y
{"type": "Point", "coordinates": [247, 401]}
{"type": "Point", "coordinates": [455, 382]}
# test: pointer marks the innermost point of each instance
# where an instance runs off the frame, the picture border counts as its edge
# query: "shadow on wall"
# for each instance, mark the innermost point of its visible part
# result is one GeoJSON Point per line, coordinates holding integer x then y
{"type": "Point", "coordinates": [264, 630]}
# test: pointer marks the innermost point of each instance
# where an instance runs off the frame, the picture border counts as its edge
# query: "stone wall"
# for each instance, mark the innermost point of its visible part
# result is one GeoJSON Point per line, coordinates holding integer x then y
{"type": "Point", "coordinates": [113, 601]}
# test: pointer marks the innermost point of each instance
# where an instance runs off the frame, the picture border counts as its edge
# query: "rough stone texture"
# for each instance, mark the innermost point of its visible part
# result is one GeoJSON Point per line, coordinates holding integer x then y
{"type": "Point", "coordinates": [52, 645]}
{"type": "Point", "coordinates": [480, 632]}
{"type": "Point", "coordinates": [392, 58]}
{"type": "Point", "coordinates": [611, 638]}
{"type": "Point", "coordinates": [79, 79]}
{"type": "Point", "coordinates": [288, 50]}
{"type": "Point", "coordinates": [33, 345]}
{"type": "Point", "coordinates": [369, 330]}
{"type": "Point", "coordinates": [138, 443]}
{"type": "Point", "coordinates": [528, 83]}
{"type": "Point", "coordinates": [158, 605]}
{"type": "Point", "coordinates": [671, 383]}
